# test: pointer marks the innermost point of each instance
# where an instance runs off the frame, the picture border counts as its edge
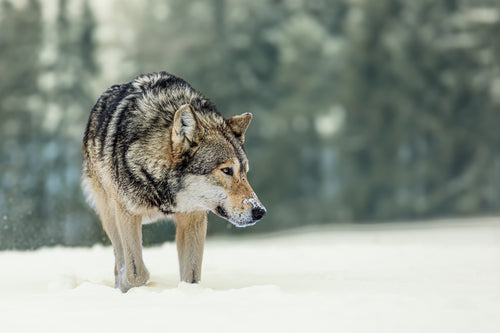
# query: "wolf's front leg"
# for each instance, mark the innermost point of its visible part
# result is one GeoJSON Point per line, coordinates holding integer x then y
{"type": "Point", "coordinates": [134, 274]}
{"type": "Point", "coordinates": [107, 214]}
{"type": "Point", "coordinates": [109, 225]}
{"type": "Point", "coordinates": [191, 232]}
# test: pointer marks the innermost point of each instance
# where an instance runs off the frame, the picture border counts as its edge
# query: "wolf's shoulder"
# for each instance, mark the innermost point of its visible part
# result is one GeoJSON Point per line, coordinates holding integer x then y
{"type": "Point", "coordinates": [159, 81]}
{"type": "Point", "coordinates": [167, 92]}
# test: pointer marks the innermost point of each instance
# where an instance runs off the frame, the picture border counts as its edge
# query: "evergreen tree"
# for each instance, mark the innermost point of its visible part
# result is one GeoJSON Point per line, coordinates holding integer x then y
{"type": "Point", "coordinates": [417, 96]}
{"type": "Point", "coordinates": [44, 105]}
{"type": "Point", "coordinates": [19, 66]}
{"type": "Point", "coordinates": [70, 100]}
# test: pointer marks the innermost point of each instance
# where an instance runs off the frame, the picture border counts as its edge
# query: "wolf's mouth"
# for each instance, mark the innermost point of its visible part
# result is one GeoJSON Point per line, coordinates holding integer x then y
{"type": "Point", "coordinates": [221, 212]}
{"type": "Point", "coordinates": [240, 224]}
{"type": "Point", "coordinates": [245, 224]}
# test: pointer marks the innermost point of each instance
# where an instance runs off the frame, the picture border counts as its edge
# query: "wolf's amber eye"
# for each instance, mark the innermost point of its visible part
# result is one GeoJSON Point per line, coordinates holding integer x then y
{"type": "Point", "coordinates": [227, 170]}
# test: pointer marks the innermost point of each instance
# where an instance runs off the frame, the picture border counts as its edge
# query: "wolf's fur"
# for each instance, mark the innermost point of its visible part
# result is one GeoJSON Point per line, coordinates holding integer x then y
{"type": "Point", "coordinates": [156, 147]}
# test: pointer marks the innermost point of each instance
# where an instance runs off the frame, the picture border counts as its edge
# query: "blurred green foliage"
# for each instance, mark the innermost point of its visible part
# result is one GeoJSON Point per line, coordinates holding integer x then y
{"type": "Point", "coordinates": [363, 110]}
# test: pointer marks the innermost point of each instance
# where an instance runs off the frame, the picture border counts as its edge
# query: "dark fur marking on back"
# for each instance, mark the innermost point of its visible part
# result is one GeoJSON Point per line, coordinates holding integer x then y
{"type": "Point", "coordinates": [118, 92]}
{"type": "Point", "coordinates": [169, 81]}
{"type": "Point", "coordinates": [121, 142]}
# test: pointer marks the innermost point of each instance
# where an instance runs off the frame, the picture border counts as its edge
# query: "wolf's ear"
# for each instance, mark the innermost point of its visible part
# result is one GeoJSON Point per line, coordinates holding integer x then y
{"type": "Point", "coordinates": [186, 129]}
{"type": "Point", "coordinates": [239, 125]}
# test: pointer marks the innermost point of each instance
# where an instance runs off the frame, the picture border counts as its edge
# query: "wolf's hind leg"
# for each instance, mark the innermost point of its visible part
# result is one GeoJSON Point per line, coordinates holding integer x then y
{"type": "Point", "coordinates": [134, 273]}
{"type": "Point", "coordinates": [191, 232]}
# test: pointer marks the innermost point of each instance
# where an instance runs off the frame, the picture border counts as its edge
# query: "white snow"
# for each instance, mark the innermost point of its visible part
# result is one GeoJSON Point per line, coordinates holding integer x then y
{"type": "Point", "coordinates": [439, 276]}
{"type": "Point", "coordinates": [253, 201]}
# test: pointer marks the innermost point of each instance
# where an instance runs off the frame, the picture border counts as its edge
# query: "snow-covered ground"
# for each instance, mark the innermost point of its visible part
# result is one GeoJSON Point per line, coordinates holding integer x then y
{"type": "Point", "coordinates": [439, 276]}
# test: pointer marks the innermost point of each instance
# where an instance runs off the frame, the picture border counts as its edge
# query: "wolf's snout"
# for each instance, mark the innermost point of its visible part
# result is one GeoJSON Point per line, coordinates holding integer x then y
{"type": "Point", "coordinates": [258, 213]}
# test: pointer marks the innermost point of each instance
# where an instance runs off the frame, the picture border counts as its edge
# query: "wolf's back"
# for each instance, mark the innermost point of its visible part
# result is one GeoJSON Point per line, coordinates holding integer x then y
{"type": "Point", "coordinates": [129, 110]}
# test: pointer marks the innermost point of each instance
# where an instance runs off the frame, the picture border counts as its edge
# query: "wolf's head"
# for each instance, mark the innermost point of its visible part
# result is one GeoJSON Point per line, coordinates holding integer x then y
{"type": "Point", "coordinates": [209, 154]}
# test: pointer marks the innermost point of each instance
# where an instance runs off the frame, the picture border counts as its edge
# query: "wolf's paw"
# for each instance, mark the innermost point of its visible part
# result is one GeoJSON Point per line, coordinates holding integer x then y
{"type": "Point", "coordinates": [135, 277]}
{"type": "Point", "coordinates": [190, 276]}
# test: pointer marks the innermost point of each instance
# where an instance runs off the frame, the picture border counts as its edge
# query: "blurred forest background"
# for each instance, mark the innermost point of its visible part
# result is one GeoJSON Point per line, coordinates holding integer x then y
{"type": "Point", "coordinates": [364, 111]}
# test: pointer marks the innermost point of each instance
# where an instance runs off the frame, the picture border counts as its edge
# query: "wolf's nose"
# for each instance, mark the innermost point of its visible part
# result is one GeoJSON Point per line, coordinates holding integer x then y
{"type": "Point", "coordinates": [258, 213]}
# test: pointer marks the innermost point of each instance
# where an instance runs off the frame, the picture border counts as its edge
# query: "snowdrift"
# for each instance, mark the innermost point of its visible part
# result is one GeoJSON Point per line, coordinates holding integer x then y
{"type": "Point", "coordinates": [422, 277]}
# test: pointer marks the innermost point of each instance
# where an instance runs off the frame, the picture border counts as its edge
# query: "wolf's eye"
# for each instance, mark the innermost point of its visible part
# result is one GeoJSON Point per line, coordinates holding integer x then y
{"type": "Point", "coordinates": [227, 170]}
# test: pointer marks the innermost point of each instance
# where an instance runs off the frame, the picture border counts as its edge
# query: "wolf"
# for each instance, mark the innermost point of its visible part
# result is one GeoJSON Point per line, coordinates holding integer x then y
{"type": "Point", "coordinates": [156, 147]}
